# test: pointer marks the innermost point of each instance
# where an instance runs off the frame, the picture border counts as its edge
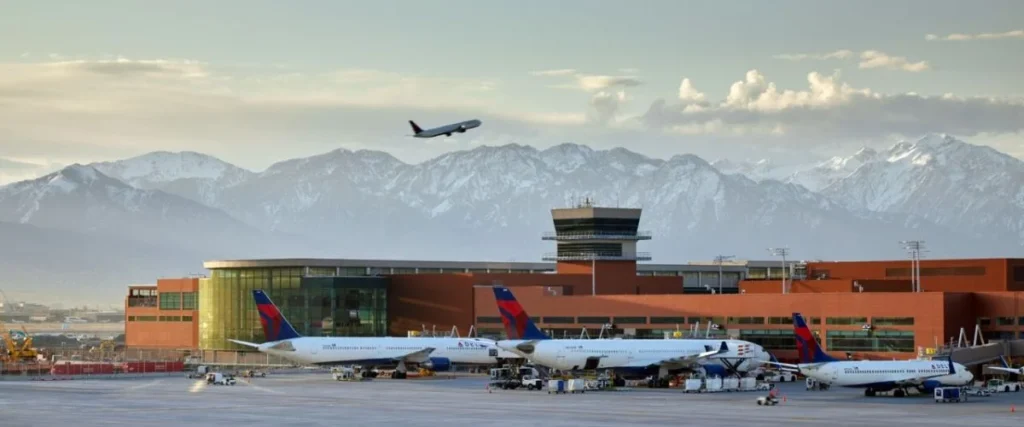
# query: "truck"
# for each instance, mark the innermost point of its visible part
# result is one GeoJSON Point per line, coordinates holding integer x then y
{"type": "Point", "coordinates": [506, 378]}
{"type": "Point", "coordinates": [996, 385]}
{"type": "Point", "coordinates": [217, 378]}
{"type": "Point", "coordinates": [779, 377]}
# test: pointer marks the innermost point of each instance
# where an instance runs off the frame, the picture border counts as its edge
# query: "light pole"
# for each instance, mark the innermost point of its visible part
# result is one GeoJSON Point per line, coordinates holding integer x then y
{"type": "Point", "coordinates": [781, 252]}
{"type": "Point", "coordinates": [914, 247]}
{"type": "Point", "coordinates": [719, 259]}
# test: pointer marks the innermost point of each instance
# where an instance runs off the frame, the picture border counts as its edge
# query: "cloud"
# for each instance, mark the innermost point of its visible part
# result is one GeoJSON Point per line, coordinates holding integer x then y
{"type": "Point", "coordinates": [876, 59]}
{"type": "Point", "coordinates": [554, 73]}
{"type": "Point", "coordinates": [839, 54]}
{"type": "Point", "coordinates": [1015, 34]}
{"type": "Point", "coordinates": [829, 108]}
{"type": "Point", "coordinates": [83, 110]}
{"type": "Point", "coordinates": [605, 106]}
{"type": "Point", "coordinates": [590, 82]}
{"type": "Point", "coordinates": [868, 59]}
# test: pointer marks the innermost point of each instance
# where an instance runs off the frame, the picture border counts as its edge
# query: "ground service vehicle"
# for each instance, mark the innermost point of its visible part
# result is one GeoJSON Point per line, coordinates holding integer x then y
{"type": "Point", "coordinates": [949, 394]}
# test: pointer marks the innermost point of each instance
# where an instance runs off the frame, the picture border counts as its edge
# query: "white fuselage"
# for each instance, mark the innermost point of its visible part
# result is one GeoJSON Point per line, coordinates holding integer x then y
{"type": "Point", "coordinates": [447, 130]}
{"type": "Point", "coordinates": [883, 374]}
{"type": "Point", "coordinates": [356, 350]}
{"type": "Point", "coordinates": [568, 354]}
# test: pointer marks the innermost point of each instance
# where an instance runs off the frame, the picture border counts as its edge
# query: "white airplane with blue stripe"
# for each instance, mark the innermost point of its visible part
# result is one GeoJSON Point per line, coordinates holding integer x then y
{"type": "Point", "coordinates": [873, 376]}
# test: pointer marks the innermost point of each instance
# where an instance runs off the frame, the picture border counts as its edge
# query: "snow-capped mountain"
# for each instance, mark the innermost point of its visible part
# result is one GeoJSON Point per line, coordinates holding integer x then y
{"type": "Point", "coordinates": [493, 203]}
{"type": "Point", "coordinates": [82, 199]}
{"type": "Point", "coordinates": [813, 176]}
{"type": "Point", "coordinates": [188, 174]}
{"type": "Point", "coordinates": [974, 189]}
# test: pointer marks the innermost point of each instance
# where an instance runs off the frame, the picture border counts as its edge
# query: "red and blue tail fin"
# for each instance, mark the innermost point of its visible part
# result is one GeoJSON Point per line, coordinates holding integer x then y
{"type": "Point", "coordinates": [415, 128]}
{"type": "Point", "coordinates": [275, 326]}
{"type": "Point", "coordinates": [518, 325]}
{"type": "Point", "coordinates": [806, 345]}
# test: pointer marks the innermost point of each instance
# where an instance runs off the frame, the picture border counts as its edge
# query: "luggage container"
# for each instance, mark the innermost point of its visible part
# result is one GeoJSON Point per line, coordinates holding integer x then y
{"type": "Point", "coordinates": [556, 386]}
{"type": "Point", "coordinates": [730, 384]}
{"type": "Point", "coordinates": [713, 385]}
{"type": "Point", "coordinates": [576, 385]}
{"type": "Point", "coordinates": [693, 385]}
{"type": "Point", "coordinates": [748, 384]}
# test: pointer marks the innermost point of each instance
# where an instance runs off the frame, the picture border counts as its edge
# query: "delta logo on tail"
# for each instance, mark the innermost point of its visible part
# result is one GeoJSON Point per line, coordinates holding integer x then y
{"type": "Point", "coordinates": [275, 326]}
{"type": "Point", "coordinates": [806, 345]}
{"type": "Point", "coordinates": [517, 323]}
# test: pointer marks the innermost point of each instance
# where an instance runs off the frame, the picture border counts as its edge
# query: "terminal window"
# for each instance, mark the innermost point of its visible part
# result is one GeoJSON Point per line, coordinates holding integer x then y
{"type": "Point", "coordinates": [556, 319]}
{"type": "Point", "coordinates": [668, 320]}
{"type": "Point", "coordinates": [593, 319]}
{"type": "Point", "coordinates": [630, 320]}
{"type": "Point", "coordinates": [780, 320]}
{"type": "Point", "coordinates": [771, 339]}
{"type": "Point", "coordinates": [880, 341]}
{"type": "Point", "coordinates": [892, 321]}
{"type": "Point", "coordinates": [189, 301]}
{"type": "Point", "coordinates": [1004, 321]}
{"type": "Point", "coordinates": [170, 301]}
{"type": "Point", "coordinates": [746, 320]}
{"type": "Point", "coordinates": [846, 321]}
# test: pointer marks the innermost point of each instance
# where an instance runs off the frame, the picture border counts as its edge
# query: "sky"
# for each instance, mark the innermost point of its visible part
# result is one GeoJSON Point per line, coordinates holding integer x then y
{"type": "Point", "coordinates": [256, 82]}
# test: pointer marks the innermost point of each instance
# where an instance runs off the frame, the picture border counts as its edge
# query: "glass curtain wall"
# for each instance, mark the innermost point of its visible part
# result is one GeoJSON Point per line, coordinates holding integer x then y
{"type": "Point", "coordinates": [227, 310]}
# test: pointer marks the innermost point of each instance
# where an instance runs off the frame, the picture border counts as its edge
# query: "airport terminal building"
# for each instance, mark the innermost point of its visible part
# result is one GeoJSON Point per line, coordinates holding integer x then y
{"type": "Point", "coordinates": [592, 280]}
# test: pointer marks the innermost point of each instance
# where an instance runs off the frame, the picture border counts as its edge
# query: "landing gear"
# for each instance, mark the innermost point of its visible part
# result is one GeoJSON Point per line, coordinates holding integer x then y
{"type": "Point", "coordinates": [869, 392]}
{"type": "Point", "coordinates": [899, 393]}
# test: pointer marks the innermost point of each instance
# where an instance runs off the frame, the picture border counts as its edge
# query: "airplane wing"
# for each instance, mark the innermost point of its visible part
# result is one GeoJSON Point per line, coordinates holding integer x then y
{"type": "Point", "coordinates": [245, 343]}
{"type": "Point", "coordinates": [681, 361]}
{"type": "Point", "coordinates": [1018, 371]}
{"type": "Point", "coordinates": [418, 356]}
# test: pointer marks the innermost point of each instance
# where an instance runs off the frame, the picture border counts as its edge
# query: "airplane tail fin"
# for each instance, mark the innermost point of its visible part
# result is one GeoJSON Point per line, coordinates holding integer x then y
{"type": "Point", "coordinates": [415, 128]}
{"type": "Point", "coordinates": [518, 325]}
{"type": "Point", "coordinates": [806, 345]}
{"type": "Point", "coordinates": [275, 326]}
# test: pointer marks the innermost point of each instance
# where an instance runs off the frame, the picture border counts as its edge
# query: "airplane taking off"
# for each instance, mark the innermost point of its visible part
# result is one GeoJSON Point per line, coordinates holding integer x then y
{"type": "Point", "coordinates": [438, 354]}
{"type": "Point", "coordinates": [872, 375]}
{"type": "Point", "coordinates": [660, 357]}
{"type": "Point", "coordinates": [447, 130]}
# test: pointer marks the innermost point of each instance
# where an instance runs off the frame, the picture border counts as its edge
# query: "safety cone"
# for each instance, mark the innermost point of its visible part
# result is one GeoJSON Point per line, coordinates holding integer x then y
{"type": "Point", "coordinates": [783, 398]}
{"type": "Point", "coordinates": [1013, 409]}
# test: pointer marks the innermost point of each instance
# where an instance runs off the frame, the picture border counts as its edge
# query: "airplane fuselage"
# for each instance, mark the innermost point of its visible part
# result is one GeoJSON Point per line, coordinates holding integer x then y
{"type": "Point", "coordinates": [635, 354]}
{"type": "Point", "coordinates": [888, 375]}
{"type": "Point", "coordinates": [448, 130]}
{"type": "Point", "coordinates": [385, 350]}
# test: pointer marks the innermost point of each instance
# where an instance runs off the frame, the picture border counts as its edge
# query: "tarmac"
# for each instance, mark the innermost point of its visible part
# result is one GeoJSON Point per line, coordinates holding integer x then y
{"type": "Point", "coordinates": [316, 399]}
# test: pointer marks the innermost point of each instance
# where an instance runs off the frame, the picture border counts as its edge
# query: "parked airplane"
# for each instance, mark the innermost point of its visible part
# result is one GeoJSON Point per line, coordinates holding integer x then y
{"type": "Point", "coordinates": [660, 357]}
{"type": "Point", "coordinates": [447, 130]}
{"type": "Point", "coordinates": [439, 354]}
{"type": "Point", "coordinates": [872, 375]}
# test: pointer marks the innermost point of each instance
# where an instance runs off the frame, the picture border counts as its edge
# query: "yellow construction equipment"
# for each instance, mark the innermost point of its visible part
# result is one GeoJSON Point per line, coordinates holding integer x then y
{"type": "Point", "coordinates": [15, 351]}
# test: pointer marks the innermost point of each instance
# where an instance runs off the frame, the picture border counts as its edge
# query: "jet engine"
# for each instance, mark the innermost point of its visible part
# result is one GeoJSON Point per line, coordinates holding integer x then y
{"type": "Point", "coordinates": [438, 364]}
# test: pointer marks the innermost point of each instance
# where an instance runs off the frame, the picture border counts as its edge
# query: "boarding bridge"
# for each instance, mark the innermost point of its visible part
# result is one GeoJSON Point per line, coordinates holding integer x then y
{"type": "Point", "coordinates": [977, 351]}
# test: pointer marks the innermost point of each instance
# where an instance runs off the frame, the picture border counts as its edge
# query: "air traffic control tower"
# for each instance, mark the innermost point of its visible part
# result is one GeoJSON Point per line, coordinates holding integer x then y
{"type": "Point", "coordinates": [600, 242]}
